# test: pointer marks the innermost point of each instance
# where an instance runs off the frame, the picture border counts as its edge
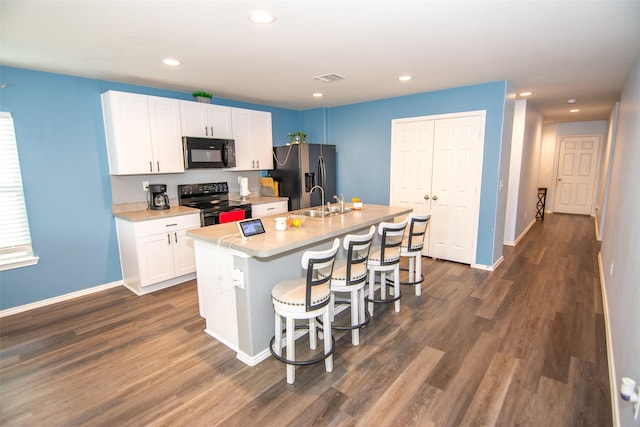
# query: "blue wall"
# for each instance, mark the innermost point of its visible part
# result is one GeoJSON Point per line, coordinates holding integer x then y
{"type": "Point", "coordinates": [65, 172]}
{"type": "Point", "coordinates": [63, 156]}
{"type": "Point", "coordinates": [362, 134]}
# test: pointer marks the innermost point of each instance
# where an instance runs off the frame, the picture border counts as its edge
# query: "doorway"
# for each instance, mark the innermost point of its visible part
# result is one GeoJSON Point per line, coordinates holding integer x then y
{"type": "Point", "coordinates": [436, 167]}
{"type": "Point", "coordinates": [576, 174]}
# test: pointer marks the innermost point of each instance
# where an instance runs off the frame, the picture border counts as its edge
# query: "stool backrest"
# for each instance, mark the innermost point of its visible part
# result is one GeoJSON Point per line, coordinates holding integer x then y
{"type": "Point", "coordinates": [391, 235]}
{"type": "Point", "coordinates": [358, 247]}
{"type": "Point", "coordinates": [417, 229]}
{"type": "Point", "coordinates": [313, 262]}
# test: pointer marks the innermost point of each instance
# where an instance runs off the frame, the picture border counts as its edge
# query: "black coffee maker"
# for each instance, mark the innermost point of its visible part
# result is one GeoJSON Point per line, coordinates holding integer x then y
{"type": "Point", "coordinates": [158, 200]}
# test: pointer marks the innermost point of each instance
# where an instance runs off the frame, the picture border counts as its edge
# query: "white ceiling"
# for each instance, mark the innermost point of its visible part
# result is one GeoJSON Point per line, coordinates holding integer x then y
{"type": "Point", "coordinates": [557, 49]}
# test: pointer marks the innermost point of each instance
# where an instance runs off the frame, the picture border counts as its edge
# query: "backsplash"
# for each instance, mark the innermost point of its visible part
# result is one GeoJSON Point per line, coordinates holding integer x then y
{"type": "Point", "coordinates": [127, 189]}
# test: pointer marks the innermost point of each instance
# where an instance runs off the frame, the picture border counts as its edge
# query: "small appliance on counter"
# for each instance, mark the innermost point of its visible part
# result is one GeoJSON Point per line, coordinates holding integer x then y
{"type": "Point", "coordinates": [158, 199]}
{"type": "Point", "coordinates": [244, 187]}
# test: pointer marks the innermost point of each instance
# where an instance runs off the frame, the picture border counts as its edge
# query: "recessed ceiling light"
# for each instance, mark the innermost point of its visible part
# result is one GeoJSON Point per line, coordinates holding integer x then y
{"type": "Point", "coordinates": [575, 110]}
{"type": "Point", "coordinates": [317, 95]}
{"type": "Point", "coordinates": [404, 78]}
{"type": "Point", "coordinates": [261, 17]}
{"type": "Point", "coordinates": [571, 101]}
{"type": "Point", "coordinates": [526, 93]}
{"type": "Point", "coordinates": [170, 61]}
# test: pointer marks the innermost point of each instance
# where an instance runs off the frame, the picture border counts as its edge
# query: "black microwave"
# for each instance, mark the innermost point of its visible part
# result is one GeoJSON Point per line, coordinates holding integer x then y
{"type": "Point", "coordinates": [207, 153]}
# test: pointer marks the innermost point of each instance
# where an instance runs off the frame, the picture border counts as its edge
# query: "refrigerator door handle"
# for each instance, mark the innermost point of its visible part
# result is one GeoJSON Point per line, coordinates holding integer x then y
{"type": "Point", "coordinates": [322, 172]}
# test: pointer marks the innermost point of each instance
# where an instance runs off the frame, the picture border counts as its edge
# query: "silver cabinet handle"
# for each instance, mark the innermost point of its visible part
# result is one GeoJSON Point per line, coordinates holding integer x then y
{"type": "Point", "coordinates": [158, 164]}
{"type": "Point", "coordinates": [168, 239]}
{"type": "Point", "coordinates": [435, 197]}
{"type": "Point", "coordinates": [206, 131]}
{"type": "Point", "coordinates": [150, 166]}
{"type": "Point", "coordinates": [171, 225]}
{"type": "Point", "coordinates": [257, 164]}
{"type": "Point", "coordinates": [175, 236]}
{"type": "Point", "coordinates": [426, 197]}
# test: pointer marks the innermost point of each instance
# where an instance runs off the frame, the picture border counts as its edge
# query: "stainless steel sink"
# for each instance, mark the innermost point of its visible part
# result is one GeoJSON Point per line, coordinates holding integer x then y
{"type": "Point", "coordinates": [317, 213]}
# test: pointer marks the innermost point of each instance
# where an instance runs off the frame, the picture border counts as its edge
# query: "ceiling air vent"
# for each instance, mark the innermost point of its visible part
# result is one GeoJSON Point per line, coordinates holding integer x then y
{"type": "Point", "coordinates": [328, 78]}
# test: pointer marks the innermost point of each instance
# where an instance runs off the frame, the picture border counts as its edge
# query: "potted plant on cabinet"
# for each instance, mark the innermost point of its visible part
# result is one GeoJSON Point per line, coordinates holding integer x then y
{"type": "Point", "coordinates": [202, 97]}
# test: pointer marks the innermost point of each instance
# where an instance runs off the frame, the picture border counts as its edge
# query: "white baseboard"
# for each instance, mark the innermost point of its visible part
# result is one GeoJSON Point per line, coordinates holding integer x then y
{"type": "Point", "coordinates": [65, 297]}
{"type": "Point", "coordinates": [488, 267]}
{"type": "Point", "coordinates": [521, 236]}
{"type": "Point", "coordinates": [253, 361]}
{"type": "Point", "coordinates": [613, 383]}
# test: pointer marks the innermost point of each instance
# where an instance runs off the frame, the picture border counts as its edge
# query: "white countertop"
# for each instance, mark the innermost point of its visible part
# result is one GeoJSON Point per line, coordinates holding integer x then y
{"type": "Point", "coordinates": [137, 211]}
{"type": "Point", "coordinates": [313, 230]}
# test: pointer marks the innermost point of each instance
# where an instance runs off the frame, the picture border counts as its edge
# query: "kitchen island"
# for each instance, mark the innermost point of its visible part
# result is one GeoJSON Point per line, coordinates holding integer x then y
{"type": "Point", "coordinates": [235, 276]}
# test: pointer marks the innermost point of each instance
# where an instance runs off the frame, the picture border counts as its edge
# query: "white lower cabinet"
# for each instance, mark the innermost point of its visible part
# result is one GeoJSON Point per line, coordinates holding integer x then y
{"type": "Point", "coordinates": [157, 253]}
{"type": "Point", "coordinates": [271, 208]}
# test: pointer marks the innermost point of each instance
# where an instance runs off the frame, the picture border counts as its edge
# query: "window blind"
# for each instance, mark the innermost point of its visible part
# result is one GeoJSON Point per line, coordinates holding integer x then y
{"type": "Point", "coordinates": [15, 237]}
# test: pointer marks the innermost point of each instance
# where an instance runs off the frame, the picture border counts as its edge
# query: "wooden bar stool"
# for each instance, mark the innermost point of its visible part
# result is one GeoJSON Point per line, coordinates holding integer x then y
{"type": "Point", "coordinates": [386, 259]}
{"type": "Point", "coordinates": [350, 276]}
{"type": "Point", "coordinates": [305, 298]}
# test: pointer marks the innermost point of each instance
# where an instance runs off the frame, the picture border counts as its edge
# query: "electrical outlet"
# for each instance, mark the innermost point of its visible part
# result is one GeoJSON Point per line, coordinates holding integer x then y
{"type": "Point", "coordinates": [145, 185]}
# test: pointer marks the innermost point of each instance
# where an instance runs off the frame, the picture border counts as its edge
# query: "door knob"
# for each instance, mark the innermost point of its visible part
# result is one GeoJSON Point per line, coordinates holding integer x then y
{"type": "Point", "coordinates": [426, 197]}
{"type": "Point", "coordinates": [435, 197]}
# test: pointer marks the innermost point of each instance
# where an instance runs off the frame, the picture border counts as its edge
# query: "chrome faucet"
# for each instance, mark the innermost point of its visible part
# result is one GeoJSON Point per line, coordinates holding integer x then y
{"type": "Point", "coordinates": [321, 194]}
{"type": "Point", "coordinates": [341, 201]}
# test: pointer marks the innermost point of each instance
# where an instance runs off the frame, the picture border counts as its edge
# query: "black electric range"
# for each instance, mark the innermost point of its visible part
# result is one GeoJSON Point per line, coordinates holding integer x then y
{"type": "Point", "coordinates": [213, 201]}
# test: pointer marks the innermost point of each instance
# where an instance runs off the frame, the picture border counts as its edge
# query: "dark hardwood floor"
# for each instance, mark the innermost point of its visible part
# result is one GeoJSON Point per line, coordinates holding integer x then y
{"type": "Point", "coordinates": [524, 345]}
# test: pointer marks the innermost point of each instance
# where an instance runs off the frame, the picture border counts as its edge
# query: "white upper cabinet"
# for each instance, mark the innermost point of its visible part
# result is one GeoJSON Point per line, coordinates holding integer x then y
{"type": "Point", "coordinates": [144, 134]}
{"type": "Point", "coordinates": [205, 120]}
{"type": "Point", "coordinates": [253, 139]}
{"type": "Point", "coordinates": [166, 134]}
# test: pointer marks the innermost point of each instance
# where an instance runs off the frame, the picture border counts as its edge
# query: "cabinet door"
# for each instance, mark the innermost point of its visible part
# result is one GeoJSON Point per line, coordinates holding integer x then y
{"type": "Point", "coordinates": [205, 120]}
{"type": "Point", "coordinates": [254, 143]}
{"type": "Point", "coordinates": [127, 130]}
{"type": "Point", "coordinates": [155, 257]}
{"type": "Point", "coordinates": [241, 121]}
{"type": "Point", "coordinates": [262, 140]}
{"type": "Point", "coordinates": [219, 119]}
{"type": "Point", "coordinates": [264, 209]}
{"type": "Point", "coordinates": [166, 134]}
{"type": "Point", "coordinates": [193, 118]}
{"type": "Point", "coordinates": [184, 258]}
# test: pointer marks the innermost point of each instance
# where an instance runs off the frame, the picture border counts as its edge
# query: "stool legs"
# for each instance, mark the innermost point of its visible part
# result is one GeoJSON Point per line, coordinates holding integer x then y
{"type": "Point", "coordinates": [418, 272]}
{"type": "Point", "coordinates": [277, 346]}
{"type": "Point", "coordinates": [326, 319]}
{"type": "Point", "coordinates": [396, 287]}
{"type": "Point", "coordinates": [355, 317]}
{"type": "Point", "coordinates": [291, 350]}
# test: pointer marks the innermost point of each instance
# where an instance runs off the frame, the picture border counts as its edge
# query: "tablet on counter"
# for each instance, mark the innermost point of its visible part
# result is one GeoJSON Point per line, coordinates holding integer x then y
{"type": "Point", "coordinates": [250, 227]}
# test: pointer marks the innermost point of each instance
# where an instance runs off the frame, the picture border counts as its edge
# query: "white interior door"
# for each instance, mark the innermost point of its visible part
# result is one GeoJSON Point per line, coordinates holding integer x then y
{"type": "Point", "coordinates": [436, 167]}
{"type": "Point", "coordinates": [455, 192]}
{"type": "Point", "coordinates": [576, 177]}
{"type": "Point", "coordinates": [411, 165]}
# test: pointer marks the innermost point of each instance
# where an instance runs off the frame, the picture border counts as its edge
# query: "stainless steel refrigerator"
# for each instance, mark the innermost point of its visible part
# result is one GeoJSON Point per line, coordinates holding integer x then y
{"type": "Point", "coordinates": [299, 167]}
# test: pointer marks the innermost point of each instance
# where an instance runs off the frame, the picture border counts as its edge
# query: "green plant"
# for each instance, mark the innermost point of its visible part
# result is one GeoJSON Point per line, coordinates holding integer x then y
{"type": "Point", "coordinates": [202, 94]}
{"type": "Point", "coordinates": [301, 136]}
